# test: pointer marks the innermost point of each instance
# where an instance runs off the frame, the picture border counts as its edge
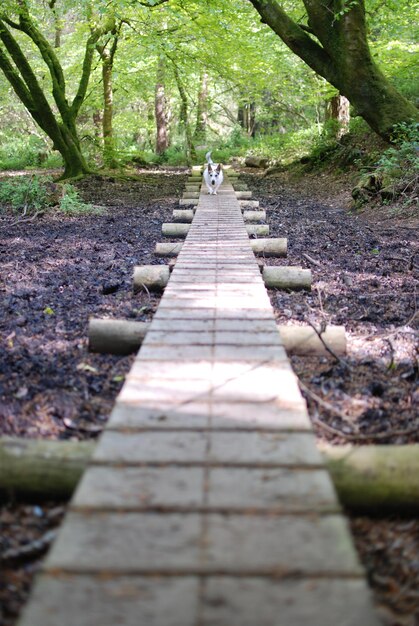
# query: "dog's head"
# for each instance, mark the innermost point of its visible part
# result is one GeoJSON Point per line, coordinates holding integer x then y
{"type": "Point", "coordinates": [214, 173]}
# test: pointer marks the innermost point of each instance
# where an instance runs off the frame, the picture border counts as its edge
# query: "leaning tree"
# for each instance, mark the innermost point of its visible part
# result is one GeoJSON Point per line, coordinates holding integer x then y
{"type": "Point", "coordinates": [24, 49]}
{"type": "Point", "coordinates": [19, 32]}
{"type": "Point", "coordinates": [332, 40]}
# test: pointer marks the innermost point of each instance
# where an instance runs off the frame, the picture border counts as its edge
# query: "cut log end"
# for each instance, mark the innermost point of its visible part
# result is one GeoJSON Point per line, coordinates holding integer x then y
{"type": "Point", "coordinates": [293, 278]}
{"type": "Point", "coordinates": [150, 277]}
{"type": "Point", "coordinates": [305, 341]}
{"type": "Point", "coordinates": [275, 247]}
{"type": "Point", "coordinates": [116, 336]}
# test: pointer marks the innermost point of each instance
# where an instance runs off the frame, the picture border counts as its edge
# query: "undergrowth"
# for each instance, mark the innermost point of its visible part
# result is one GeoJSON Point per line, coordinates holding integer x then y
{"type": "Point", "coordinates": [32, 195]}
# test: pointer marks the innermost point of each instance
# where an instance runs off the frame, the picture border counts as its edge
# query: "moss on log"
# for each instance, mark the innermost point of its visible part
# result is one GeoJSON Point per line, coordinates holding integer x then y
{"type": "Point", "coordinates": [375, 477]}
{"type": "Point", "coordinates": [42, 469]}
{"type": "Point", "coordinates": [257, 230]}
{"type": "Point", "coordinates": [287, 278]}
{"type": "Point", "coordinates": [367, 478]}
{"type": "Point", "coordinates": [150, 277]}
{"type": "Point", "coordinates": [275, 247]}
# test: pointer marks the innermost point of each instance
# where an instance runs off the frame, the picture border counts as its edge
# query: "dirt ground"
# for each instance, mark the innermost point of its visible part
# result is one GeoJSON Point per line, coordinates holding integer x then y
{"type": "Point", "coordinates": [58, 271]}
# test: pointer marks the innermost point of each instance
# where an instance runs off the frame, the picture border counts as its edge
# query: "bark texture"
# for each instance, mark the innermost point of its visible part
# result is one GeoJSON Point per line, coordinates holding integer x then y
{"type": "Point", "coordinates": [61, 127]}
{"type": "Point", "coordinates": [107, 56]}
{"type": "Point", "coordinates": [42, 469]}
{"type": "Point", "coordinates": [335, 45]}
{"type": "Point", "coordinates": [200, 132]}
{"type": "Point", "coordinates": [160, 108]}
{"type": "Point", "coordinates": [116, 336]}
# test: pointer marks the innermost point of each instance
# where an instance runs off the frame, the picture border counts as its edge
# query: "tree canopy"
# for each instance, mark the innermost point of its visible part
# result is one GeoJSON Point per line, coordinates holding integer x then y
{"type": "Point", "coordinates": [82, 77]}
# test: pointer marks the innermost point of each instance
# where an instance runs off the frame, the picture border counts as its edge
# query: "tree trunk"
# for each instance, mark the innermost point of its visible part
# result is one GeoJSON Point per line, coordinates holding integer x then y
{"type": "Point", "coordinates": [200, 133]}
{"type": "Point", "coordinates": [75, 165]}
{"type": "Point", "coordinates": [184, 117]}
{"type": "Point", "coordinates": [342, 56]}
{"type": "Point", "coordinates": [337, 108]}
{"type": "Point", "coordinates": [246, 117]}
{"type": "Point", "coordinates": [162, 138]}
{"type": "Point", "coordinates": [108, 143]}
{"type": "Point", "coordinates": [14, 62]}
{"type": "Point", "coordinates": [107, 57]}
{"type": "Point", "coordinates": [368, 478]}
{"type": "Point", "coordinates": [58, 29]}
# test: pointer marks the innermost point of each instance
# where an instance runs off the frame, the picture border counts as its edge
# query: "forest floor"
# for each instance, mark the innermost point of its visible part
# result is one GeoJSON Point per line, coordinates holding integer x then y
{"type": "Point", "coordinates": [57, 271]}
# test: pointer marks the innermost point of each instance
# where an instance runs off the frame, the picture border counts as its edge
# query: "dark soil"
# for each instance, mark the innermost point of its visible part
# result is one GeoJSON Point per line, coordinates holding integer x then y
{"type": "Point", "coordinates": [365, 277]}
{"type": "Point", "coordinates": [57, 271]}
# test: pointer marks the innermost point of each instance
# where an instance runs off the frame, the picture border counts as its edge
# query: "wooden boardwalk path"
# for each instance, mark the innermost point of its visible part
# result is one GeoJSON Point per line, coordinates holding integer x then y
{"type": "Point", "coordinates": [206, 502]}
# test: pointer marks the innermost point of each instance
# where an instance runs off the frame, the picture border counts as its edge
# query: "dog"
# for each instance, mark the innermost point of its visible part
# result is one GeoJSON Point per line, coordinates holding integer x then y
{"type": "Point", "coordinates": [213, 175]}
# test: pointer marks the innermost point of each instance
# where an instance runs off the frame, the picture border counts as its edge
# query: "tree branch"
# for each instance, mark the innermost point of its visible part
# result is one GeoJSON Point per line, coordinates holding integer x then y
{"type": "Point", "coordinates": [295, 37]}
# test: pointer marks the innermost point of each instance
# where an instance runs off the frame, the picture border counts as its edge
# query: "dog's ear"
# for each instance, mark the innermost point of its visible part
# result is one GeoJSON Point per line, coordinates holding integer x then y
{"type": "Point", "coordinates": [218, 168]}
{"type": "Point", "coordinates": [209, 168]}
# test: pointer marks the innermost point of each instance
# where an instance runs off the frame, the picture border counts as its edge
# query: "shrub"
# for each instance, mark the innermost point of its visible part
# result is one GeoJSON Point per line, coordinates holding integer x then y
{"type": "Point", "coordinates": [398, 167]}
{"type": "Point", "coordinates": [72, 204]}
{"type": "Point", "coordinates": [26, 195]}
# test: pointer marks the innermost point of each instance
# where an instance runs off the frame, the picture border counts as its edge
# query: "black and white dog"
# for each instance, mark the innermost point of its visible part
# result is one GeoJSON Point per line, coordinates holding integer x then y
{"type": "Point", "coordinates": [213, 175]}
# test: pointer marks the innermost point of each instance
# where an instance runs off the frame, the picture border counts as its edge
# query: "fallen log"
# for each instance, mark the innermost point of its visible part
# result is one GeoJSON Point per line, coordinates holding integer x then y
{"type": "Point", "coordinates": [169, 229]}
{"type": "Point", "coordinates": [254, 216]}
{"type": "Point", "coordinates": [368, 478]}
{"type": "Point", "coordinates": [184, 216]}
{"type": "Point", "coordinates": [274, 247]}
{"type": "Point", "coordinates": [168, 249]}
{"type": "Point", "coordinates": [257, 230]}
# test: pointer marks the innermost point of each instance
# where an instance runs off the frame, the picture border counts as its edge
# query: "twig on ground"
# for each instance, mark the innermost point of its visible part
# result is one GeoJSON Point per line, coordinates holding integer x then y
{"type": "Point", "coordinates": [351, 436]}
{"type": "Point", "coordinates": [329, 350]}
{"type": "Point", "coordinates": [311, 260]}
{"type": "Point", "coordinates": [27, 219]}
{"type": "Point", "coordinates": [31, 550]}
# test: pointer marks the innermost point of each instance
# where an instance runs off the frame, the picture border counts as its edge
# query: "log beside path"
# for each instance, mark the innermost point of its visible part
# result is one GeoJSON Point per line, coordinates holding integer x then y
{"type": "Point", "coordinates": [115, 336]}
{"type": "Point", "coordinates": [374, 479]}
{"type": "Point", "coordinates": [206, 501]}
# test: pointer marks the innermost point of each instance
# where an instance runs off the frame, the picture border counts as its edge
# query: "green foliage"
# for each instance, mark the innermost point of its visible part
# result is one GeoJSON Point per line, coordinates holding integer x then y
{"type": "Point", "coordinates": [398, 167]}
{"type": "Point", "coordinates": [72, 204]}
{"type": "Point", "coordinates": [29, 195]}
{"type": "Point", "coordinates": [24, 194]}
{"type": "Point", "coordinates": [20, 152]}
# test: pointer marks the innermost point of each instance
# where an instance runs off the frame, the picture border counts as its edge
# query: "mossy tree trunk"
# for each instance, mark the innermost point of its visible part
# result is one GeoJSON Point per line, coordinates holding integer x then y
{"type": "Point", "coordinates": [160, 108]}
{"type": "Point", "coordinates": [334, 44]}
{"type": "Point", "coordinates": [184, 116]}
{"type": "Point", "coordinates": [107, 56]}
{"type": "Point", "coordinates": [246, 117]}
{"type": "Point", "coordinates": [200, 133]}
{"type": "Point", "coordinates": [60, 127]}
{"type": "Point", "coordinates": [337, 108]}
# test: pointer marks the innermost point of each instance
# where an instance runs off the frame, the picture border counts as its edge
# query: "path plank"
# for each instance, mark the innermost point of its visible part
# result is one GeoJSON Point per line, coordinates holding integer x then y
{"type": "Point", "coordinates": [206, 502]}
